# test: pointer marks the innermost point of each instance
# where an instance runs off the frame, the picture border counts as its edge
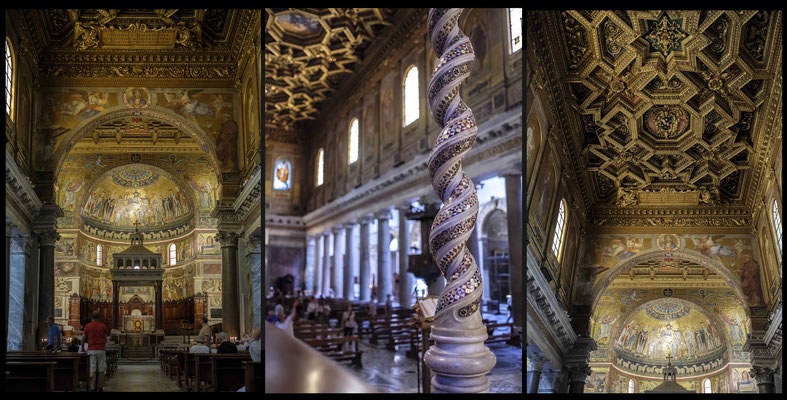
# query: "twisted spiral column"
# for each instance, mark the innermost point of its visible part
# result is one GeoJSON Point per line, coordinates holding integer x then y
{"type": "Point", "coordinates": [459, 359]}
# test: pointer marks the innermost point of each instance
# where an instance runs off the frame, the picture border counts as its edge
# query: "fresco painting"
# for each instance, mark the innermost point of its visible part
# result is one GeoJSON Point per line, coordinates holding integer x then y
{"type": "Point", "coordinates": [206, 243]}
{"type": "Point", "coordinates": [65, 269]}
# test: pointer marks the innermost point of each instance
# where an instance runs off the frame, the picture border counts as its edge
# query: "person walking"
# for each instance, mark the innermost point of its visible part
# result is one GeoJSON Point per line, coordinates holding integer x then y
{"type": "Point", "coordinates": [95, 337]}
{"type": "Point", "coordinates": [348, 320]}
{"type": "Point", "coordinates": [54, 335]}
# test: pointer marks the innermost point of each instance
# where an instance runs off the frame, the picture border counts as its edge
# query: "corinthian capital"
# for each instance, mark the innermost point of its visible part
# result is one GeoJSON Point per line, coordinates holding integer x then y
{"type": "Point", "coordinates": [47, 238]}
{"type": "Point", "coordinates": [227, 238]}
{"type": "Point", "coordinates": [253, 244]}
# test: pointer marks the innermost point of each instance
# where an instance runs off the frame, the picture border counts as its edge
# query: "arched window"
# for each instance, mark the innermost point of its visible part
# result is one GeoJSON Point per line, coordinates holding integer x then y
{"type": "Point", "coordinates": [515, 28]}
{"type": "Point", "coordinates": [352, 153]}
{"type": "Point", "coordinates": [99, 250]}
{"type": "Point", "coordinates": [559, 230]}
{"type": "Point", "coordinates": [411, 98]}
{"type": "Point", "coordinates": [706, 384]}
{"type": "Point", "coordinates": [777, 225]}
{"type": "Point", "coordinates": [282, 176]}
{"type": "Point", "coordinates": [9, 78]}
{"type": "Point", "coordinates": [320, 166]}
{"type": "Point", "coordinates": [631, 386]}
{"type": "Point", "coordinates": [173, 258]}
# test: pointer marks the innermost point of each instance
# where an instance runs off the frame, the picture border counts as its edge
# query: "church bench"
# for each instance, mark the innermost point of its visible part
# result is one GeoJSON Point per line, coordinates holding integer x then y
{"type": "Point", "coordinates": [252, 375]}
{"type": "Point", "coordinates": [227, 371]}
{"type": "Point", "coordinates": [398, 334]}
{"type": "Point", "coordinates": [112, 362]}
{"type": "Point", "coordinates": [333, 348]}
{"type": "Point", "coordinates": [313, 333]}
{"type": "Point", "coordinates": [511, 338]}
{"type": "Point", "coordinates": [66, 371]}
{"type": "Point", "coordinates": [381, 327]}
{"type": "Point", "coordinates": [29, 376]}
{"type": "Point", "coordinates": [416, 340]}
{"type": "Point", "coordinates": [182, 368]}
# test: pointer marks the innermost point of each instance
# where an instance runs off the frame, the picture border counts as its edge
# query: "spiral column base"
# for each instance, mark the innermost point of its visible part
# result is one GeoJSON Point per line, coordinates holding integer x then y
{"type": "Point", "coordinates": [459, 360]}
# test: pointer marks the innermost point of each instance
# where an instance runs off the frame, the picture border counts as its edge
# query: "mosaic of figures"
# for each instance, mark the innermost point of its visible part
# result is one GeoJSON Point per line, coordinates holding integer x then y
{"type": "Point", "coordinates": [62, 109]}
{"type": "Point", "coordinates": [95, 284]}
{"type": "Point", "coordinates": [597, 381]}
{"type": "Point", "coordinates": [65, 247]}
{"type": "Point", "coordinates": [742, 381]}
{"type": "Point", "coordinates": [206, 243]}
{"type": "Point", "coordinates": [86, 250]}
{"type": "Point", "coordinates": [643, 368]}
{"type": "Point", "coordinates": [195, 171]}
{"type": "Point", "coordinates": [619, 382]}
{"type": "Point", "coordinates": [732, 251]}
{"type": "Point", "coordinates": [178, 283]}
{"type": "Point", "coordinates": [157, 204]}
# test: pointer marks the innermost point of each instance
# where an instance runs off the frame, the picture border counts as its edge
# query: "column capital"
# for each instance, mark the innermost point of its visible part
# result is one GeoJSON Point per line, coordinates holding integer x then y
{"type": "Point", "coordinates": [383, 214]}
{"type": "Point", "coordinates": [253, 244]}
{"type": "Point", "coordinates": [578, 372]}
{"type": "Point", "coordinates": [536, 362]}
{"type": "Point", "coordinates": [763, 375]}
{"type": "Point", "coordinates": [511, 172]}
{"type": "Point", "coordinates": [9, 227]}
{"type": "Point", "coordinates": [367, 219]}
{"type": "Point", "coordinates": [550, 380]}
{"type": "Point", "coordinates": [349, 225]}
{"type": "Point", "coordinates": [47, 238]}
{"type": "Point", "coordinates": [227, 238]}
{"type": "Point", "coordinates": [336, 229]}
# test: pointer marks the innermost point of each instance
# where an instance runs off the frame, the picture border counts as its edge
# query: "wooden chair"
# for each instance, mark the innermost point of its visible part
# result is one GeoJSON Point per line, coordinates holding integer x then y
{"type": "Point", "coordinates": [29, 376]}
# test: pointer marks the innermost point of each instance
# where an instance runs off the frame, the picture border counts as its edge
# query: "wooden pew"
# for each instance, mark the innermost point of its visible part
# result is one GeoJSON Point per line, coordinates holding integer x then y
{"type": "Point", "coordinates": [183, 370]}
{"type": "Point", "coordinates": [252, 375]}
{"type": "Point", "coordinates": [322, 331]}
{"type": "Point", "coordinates": [398, 334]}
{"type": "Point", "coordinates": [227, 371]}
{"type": "Point", "coordinates": [381, 327]}
{"type": "Point", "coordinates": [29, 376]}
{"type": "Point", "coordinates": [333, 348]}
{"type": "Point", "coordinates": [416, 339]}
{"type": "Point", "coordinates": [112, 362]}
{"type": "Point", "coordinates": [66, 372]}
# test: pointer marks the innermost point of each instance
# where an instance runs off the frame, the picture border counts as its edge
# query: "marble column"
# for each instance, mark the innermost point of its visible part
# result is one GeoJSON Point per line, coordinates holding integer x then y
{"type": "Point", "coordinates": [46, 281]}
{"type": "Point", "coordinates": [308, 272]}
{"type": "Point", "coordinates": [30, 342]}
{"type": "Point", "coordinates": [116, 305]}
{"type": "Point", "coordinates": [384, 255]}
{"type": "Point", "coordinates": [364, 259]}
{"type": "Point", "coordinates": [349, 255]}
{"type": "Point", "coordinates": [338, 263]}
{"type": "Point", "coordinates": [514, 214]}
{"type": "Point", "coordinates": [549, 380]}
{"type": "Point", "coordinates": [254, 253]}
{"type": "Point", "coordinates": [404, 245]}
{"type": "Point", "coordinates": [534, 367]}
{"type": "Point", "coordinates": [159, 306]}
{"type": "Point", "coordinates": [576, 376]}
{"type": "Point", "coordinates": [9, 228]}
{"type": "Point", "coordinates": [16, 293]}
{"type": "Point", "coordinates": [229, 282]}
{"type": "Point", "coordinates": [326, 264]}
{"type": "Point", "coordinates": [317, 265]}
{"type": "Point", "coordinates": [764, 378]}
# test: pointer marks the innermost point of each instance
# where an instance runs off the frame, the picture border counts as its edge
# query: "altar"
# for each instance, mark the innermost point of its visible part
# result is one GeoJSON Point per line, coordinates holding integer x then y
{"type": "Point", "coordinates": [139, 323]}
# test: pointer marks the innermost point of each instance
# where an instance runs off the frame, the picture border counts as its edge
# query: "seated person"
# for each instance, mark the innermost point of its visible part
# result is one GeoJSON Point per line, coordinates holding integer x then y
{"type": "Point", "coordinates": [226, 346]}
{"type": "Point", "coordinates": [200, 347]}
{"type": "Point", "coordinates": [74, 347]}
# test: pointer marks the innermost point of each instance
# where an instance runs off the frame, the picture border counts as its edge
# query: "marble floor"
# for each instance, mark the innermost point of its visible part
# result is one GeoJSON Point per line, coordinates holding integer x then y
{"type": "Point", "coordinates": [395, 372]}
{"type": "Point", "coordinates": [140, 377]}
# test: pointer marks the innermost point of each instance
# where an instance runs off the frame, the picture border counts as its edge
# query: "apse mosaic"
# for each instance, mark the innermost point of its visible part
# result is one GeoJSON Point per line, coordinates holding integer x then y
{"type": "Point", "coordinates": [152, 203]}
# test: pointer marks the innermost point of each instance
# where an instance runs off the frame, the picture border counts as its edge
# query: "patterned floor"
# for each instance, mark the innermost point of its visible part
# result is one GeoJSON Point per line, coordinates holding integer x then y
{"type": "Point", "coordinates": [140, 377]}
{"type": "Point", "coordinates": [394, 372]}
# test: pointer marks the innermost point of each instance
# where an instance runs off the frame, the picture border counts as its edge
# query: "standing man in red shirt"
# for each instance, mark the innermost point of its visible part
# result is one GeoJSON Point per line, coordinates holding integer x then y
{"type": "Point", "coordinates": [95, 337]}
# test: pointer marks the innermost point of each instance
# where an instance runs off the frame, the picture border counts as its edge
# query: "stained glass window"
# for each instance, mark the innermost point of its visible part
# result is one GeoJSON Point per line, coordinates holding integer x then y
{"type": "Point", "coordinates": [320, 166]}
{"type": "Point", "coordinates": [515, 28]}
{"type": "Point", "coordinates": [561, 218]}
{"type": "Point", "coordinates": [98, 254]}
{"type": "Point", "coordinates": [411, 96]}
{"type": "Point", "coordinates": [777, 226]}
{"type": "Point", "coordinates": [353, 150]}
{"type": "Point", "coordinates": [707, 385]}
{"type": "Point", "coordinates": [282, 175]}
{"type": "Point", "coordinates": [9, 74]}
{"type": "Point", "coordinates": [172, 254]}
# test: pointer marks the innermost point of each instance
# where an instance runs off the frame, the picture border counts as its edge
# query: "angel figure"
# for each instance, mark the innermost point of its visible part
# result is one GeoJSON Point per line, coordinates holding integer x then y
{"type": "Point", "coordinates": [184, 105]}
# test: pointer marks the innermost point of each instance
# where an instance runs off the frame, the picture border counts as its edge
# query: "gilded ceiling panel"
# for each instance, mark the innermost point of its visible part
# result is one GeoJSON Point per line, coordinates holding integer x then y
{"type": "Point", "coordinates": [671, 108]}
{"type": "Point", "coordinates": [309, 52]}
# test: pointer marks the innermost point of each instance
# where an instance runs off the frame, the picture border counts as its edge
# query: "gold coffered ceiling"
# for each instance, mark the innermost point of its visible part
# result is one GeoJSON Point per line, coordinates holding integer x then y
{"type": "Point", "coordinates": [309, 52]}
{"type": "Point", "coordinates": [663, 108]}
{"type": "Point", "coordinates": [180, 45]}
